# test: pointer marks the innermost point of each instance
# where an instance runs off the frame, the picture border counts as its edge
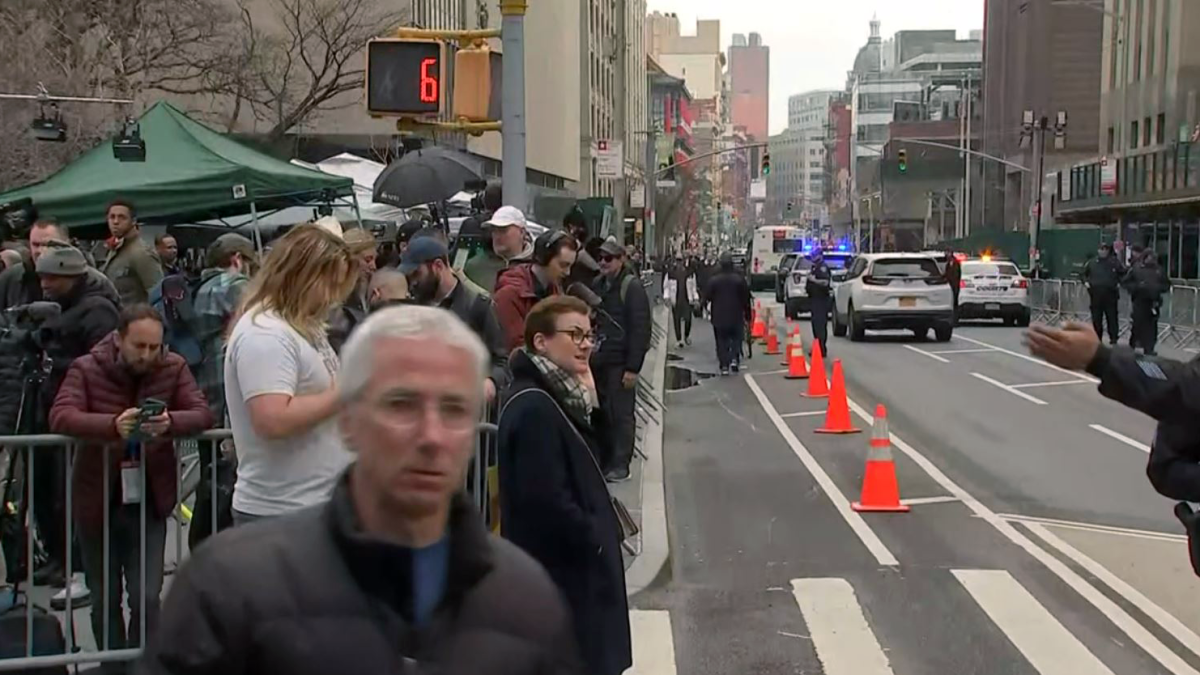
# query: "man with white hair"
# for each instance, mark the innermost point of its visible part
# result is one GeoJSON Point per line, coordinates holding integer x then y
{"type": "Point", "coordinates": [396, 573]}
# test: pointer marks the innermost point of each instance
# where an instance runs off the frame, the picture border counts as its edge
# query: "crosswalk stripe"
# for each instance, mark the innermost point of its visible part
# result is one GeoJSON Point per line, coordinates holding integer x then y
{"type": "Point", "coordinates": [1045, 642]}
{"type": "Point", "coordinates": [653, 642]}
{"type": "Point", "coordinates": [844, 642]}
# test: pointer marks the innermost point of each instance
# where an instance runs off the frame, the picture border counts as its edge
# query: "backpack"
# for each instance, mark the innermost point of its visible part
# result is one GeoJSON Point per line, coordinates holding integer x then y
{"type": "Point", "coordinates": [174, 298]}
{"type": "Point", "coordinates": [625, 283]}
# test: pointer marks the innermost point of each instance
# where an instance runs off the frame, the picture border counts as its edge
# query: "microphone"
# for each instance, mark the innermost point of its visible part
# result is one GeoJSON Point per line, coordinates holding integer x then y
{"type": "Point", "coordinates": [37, 311]}
{"type": "Point", "coordinates": [581, 291]}
{"type": "Point", "coordinates": [589, 297]}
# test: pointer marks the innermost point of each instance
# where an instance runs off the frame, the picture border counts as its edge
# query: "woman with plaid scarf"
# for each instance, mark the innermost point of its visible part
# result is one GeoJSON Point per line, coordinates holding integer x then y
{"type": "Point", "coordinates": [553, 498]}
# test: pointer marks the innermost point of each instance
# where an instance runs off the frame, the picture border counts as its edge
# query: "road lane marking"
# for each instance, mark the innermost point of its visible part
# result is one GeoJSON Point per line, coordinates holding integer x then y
{"type": "Point", "coordinates": [1164, 618]}
{"type": "Point", "coordinates": [1096, 527]}
{"type": "Point", "coordinates": [944, 499]}
{"type": "Point", "coordinates": [931, 355]}
{"type": "Point", "coordinates": [1121, 437]}
{"type": "Point", "coordinates": [1118, 616]}
{"type": "Point", "coordinates": [963, 351]}
{"type": "Point", "coordinates": [1026, 357]}
{"type": "Point", "coordinates": [810, 413]}
{"type": "Point", "coordinates": [840, 503]}
{"type": "Point", "coordinates": [1014, 392]}
{"type": "Point", "coordinates": [1060, 383]}
{"type": "Point", "coordinates": [844, 643]}
{"type": "Point", "coordinates": [653, 642]}
{"type": "Point", "coordinates": [1046, 643]}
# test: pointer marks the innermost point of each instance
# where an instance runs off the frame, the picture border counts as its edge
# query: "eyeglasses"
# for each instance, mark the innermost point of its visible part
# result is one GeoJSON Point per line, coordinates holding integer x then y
{"type": "Point", "coordinates": [604, 257]}
{"type": "Point", "coordinates": [578, 336]}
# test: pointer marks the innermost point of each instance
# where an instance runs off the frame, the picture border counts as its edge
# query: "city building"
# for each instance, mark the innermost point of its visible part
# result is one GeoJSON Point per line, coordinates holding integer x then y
{"type": "Point", "coordinates": [671, 118]}
{"type": "Point", "coordinates": [1146, 180]}
{"type": "Point", "coordinates": [795, 189]}
{"type": "Point", "coordinates": [1046, 58]}
{"type": "Point", "coordinates": [749, 85]}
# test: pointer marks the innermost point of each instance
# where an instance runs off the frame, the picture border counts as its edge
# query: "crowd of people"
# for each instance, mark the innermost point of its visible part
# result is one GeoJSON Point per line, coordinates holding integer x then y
{"type": "Point", "coordinates": [352, 388]}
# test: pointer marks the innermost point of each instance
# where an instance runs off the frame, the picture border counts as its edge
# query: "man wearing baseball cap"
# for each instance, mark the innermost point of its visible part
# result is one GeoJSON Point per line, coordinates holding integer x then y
{"type": "Point", "coordinates": [511, 245]}
{"type": "Point", "coordinates": [433, 283]}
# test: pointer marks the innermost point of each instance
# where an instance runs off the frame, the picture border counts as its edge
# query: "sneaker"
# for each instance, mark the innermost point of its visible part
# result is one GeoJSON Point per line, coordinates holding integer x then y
{"type": "Point", "coordinates": [80, 596]}
{"type": "Point", "coordinates": [687, 342]}
{"type": "Point", "coordinates": [735, 367]}
{"type": "Point", "coordinates": [50, 574]}
{"type": "Point", "coordinates": [617, 475]}
{"type": "Point", "coordinates": [724, 372]}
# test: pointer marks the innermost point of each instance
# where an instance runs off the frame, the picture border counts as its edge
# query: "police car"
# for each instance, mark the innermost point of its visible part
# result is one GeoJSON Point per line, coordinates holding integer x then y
{"type": "Point", "coordinates": [795, 290]}
{"type": "Point", "coordinates": [993, 289]}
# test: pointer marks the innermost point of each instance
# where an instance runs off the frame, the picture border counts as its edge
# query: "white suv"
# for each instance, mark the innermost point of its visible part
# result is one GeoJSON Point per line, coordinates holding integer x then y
{"type": "Point", "coordinates": [894, 291]}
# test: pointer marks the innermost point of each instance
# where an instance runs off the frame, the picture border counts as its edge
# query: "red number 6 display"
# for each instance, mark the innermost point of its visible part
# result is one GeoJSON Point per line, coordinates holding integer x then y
{"type": "Point", "coordinates": [429, 81]}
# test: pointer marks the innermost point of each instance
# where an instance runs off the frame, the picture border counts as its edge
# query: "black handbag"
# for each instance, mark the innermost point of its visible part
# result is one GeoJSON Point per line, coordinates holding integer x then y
{"type": "Point", "coordinates": [47, 637]}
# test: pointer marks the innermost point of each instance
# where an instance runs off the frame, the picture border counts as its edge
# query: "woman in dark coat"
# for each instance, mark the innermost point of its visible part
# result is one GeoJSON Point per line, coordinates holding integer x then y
{"type": "Point", "coordinates": [554, 502]}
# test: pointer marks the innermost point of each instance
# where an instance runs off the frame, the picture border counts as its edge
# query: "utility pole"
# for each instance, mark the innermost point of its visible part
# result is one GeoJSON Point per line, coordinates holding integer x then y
{"type": "Point", "coordinates": [512, 27]}
{"type": "Point", "coordinates": [967, 159]}
{"type": "Point", "coordinates": [651, 186]}
{"type": "Point", "coordinates": [620, 113]}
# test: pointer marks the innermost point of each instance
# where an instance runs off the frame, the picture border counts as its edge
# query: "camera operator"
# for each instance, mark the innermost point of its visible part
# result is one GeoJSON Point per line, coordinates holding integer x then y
{"type": "Point", "coordinates": [88, 314]}
{"type": "Point", "coordinates": [19, 284]}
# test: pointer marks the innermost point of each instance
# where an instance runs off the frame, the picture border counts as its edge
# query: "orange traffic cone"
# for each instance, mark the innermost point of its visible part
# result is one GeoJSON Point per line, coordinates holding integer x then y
{"type": "Point", "coordinates": [797, 368]}
{"type": "Point", "coordinates": [880, 490]}
{"type": "Point", "coordinates": [818, 387]}
{"type": "Point", "coordinates": [772, 338]}
{"type": "Point", "coordinates": [837, 415]}
{"type": "Point", "coordinates": [787, 349]}
{"type": "Point", "coordinates": [758, 329]}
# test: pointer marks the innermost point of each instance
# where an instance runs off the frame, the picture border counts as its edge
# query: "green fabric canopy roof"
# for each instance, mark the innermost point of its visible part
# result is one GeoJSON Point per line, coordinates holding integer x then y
{"type": "Point", "coordinates": [190, 172]}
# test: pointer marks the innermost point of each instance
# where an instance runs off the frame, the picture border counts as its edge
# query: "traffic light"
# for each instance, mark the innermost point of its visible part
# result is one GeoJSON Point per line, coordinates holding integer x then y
{"type": "Point", "coordinates": [404, 77]}
{"type": "Point", "coordinates": [903, 161]}
{"type": "Point", "coordinates": [766, 164]}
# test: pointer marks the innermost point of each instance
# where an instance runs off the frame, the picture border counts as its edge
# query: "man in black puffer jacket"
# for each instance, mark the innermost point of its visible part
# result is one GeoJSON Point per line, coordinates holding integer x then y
{"type": "Point", "coordinates": [618, 358]}
{"type": "Point", "coordinates": [395, 574]}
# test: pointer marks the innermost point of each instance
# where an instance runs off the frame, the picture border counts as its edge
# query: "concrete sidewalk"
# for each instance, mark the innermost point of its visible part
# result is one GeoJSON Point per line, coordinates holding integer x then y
{"type": "Point", "coordinates": [643, 494]}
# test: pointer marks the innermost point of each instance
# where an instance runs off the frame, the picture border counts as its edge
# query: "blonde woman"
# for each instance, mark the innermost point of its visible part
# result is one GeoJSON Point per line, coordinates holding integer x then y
{"type": "Point", "coordinates": [280, 375]}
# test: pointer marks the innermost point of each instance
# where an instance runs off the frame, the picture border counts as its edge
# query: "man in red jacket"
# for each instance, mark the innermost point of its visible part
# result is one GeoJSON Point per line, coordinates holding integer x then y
{"type": "Point", "coordinates": [107, 400]}
{"type": "Point", "coordinates": [519, 288]}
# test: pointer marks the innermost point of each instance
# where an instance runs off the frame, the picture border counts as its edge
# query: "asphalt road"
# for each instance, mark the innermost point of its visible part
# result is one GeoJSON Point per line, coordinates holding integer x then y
{"type": "Point", "coordinates": [1035, 544]}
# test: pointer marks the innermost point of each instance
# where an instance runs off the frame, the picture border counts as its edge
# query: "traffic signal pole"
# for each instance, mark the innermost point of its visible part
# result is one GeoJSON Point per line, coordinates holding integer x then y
{"type": "Point", "coordinates": [512, 129]}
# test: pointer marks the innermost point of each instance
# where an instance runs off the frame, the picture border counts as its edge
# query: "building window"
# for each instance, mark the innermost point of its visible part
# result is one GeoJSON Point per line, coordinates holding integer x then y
{"type": "Point", "coordinates": [1161, 129]}
{"type": "Point", "coordinates": [1133, 135]}
{"type": "Point", "coordinates": [1111, 139]}
{"type": "Point", "coordinates": [1146, 132]}
{"type": "Point", "coordinates": [1153, 34]}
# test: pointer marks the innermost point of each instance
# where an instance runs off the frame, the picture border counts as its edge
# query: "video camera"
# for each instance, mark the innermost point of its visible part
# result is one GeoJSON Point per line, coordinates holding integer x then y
{"type": "Point", "coordinates": [23, 326]}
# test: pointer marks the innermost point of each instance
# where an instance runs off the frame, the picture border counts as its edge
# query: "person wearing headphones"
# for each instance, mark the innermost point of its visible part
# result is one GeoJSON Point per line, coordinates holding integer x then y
{"type": "Point", "coordinates": [519, 288]}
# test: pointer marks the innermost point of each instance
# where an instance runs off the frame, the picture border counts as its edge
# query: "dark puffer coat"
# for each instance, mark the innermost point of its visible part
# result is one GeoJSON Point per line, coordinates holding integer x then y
{"type": "Point", "coordinates": [312, 594]}
{"type": "Point", "coordinates": [96, 390]}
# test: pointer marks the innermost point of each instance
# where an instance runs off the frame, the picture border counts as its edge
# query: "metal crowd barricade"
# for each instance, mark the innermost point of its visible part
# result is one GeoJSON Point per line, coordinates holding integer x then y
{"type": "Point", "coordinates": [1054, 301]}
{"type": "Point", "coordinates": [81, 645]}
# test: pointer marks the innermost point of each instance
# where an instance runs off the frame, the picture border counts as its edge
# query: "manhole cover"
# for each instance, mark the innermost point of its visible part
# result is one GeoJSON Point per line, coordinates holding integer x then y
{"type": "Point", "coordinates": [683, 378]}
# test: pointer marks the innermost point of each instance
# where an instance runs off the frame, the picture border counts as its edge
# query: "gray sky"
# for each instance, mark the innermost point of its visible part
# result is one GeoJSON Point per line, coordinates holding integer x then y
{"type": "Point", "coordinates": [813, 42]}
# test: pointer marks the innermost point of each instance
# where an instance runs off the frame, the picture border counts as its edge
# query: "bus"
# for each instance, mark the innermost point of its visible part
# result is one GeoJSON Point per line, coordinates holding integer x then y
{"type": "Point", "coordinates": [768, 248]}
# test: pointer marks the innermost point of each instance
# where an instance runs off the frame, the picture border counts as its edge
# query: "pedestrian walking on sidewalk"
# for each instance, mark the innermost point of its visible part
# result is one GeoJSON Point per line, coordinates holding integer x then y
{"type": "Point", "coordinates": [1102, 277]}
{"type": "Point", "coordinates": [680, 290]}
{"type": "Point", "coordinates": [625, 330]}
{"type": "Point", "coordinates": [728, 296]}
{"type": "Point", "coordinates": [396, 572]}
{"type": "Point", "coordinates": [818, 286]}
{"type": "Point", "coordinates": [553, 497]}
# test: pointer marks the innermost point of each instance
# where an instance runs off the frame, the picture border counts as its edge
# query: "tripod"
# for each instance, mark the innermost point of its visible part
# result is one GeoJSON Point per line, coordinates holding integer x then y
{"type": "Point", "coordinates": [20, 550]}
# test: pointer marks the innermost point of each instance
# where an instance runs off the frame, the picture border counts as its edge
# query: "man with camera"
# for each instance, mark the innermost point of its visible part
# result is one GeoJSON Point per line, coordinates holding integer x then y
{"type": "Point", "coordinates": [74, 312]}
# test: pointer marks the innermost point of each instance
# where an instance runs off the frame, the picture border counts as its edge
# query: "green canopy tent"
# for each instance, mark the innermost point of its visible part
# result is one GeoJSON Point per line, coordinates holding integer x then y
{"type": "Point", "coordinates": [191, 173]}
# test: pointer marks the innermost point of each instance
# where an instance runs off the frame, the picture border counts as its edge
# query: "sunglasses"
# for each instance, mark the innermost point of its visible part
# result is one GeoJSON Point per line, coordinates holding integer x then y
{"type": "Point", "coordinates": [604, 257]}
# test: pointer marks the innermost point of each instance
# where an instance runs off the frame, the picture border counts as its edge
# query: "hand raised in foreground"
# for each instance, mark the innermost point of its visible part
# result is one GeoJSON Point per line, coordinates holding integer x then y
{"type": "Point", "coordinates": [1073, 346]}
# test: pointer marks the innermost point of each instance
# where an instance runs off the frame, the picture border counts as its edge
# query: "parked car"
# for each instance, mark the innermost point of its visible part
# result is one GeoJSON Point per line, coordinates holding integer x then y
{"type": "Point", "coordinates": [993, 289]}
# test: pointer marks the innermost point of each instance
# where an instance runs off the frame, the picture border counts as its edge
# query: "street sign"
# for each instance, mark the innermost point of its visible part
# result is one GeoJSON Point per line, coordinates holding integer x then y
{"type": "Point", "coordinates": [610, 159]}
{"type": "Point", "coordinates": [637, 197]}
{"type": "Point", "coordinates": [1108, 177]}
{"type": "Point", "coordinates": [404, 77]}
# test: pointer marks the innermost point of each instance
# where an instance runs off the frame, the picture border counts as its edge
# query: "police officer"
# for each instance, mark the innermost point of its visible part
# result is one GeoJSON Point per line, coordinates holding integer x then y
{"type": "Point", "coordinates": [1146, 284]}
{"type": "Point", "coordinates": [1102, 276]}
{"type": "Point", "coordinates": [818, 288]}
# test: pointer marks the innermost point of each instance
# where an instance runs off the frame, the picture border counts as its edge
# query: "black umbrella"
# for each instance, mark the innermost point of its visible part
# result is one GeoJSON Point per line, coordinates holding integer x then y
{"type": "Point", "coordinates": [426, 176]}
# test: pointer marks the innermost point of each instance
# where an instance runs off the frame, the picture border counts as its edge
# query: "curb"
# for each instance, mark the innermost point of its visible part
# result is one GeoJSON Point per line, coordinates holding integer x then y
{"type": "Point", "coordinates": [655, 547]}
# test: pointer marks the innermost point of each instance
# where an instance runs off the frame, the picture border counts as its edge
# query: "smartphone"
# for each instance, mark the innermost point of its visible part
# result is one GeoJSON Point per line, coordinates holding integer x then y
{"type": "Point", "coordinates": [150, 407]}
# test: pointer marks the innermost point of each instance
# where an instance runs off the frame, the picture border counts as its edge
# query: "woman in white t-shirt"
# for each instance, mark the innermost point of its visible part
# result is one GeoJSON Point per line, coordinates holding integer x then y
{"type": "Point", "coordinates": [280, 377]}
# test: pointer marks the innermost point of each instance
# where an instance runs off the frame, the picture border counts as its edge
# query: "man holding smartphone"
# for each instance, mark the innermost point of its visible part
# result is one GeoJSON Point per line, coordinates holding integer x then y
{"type": "Point", "coordinates": [126, 400]}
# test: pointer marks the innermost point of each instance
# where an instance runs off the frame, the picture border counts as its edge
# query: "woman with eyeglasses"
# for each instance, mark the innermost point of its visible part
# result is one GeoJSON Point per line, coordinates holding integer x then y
{"type": "Point", "coordinates": [554, 503]}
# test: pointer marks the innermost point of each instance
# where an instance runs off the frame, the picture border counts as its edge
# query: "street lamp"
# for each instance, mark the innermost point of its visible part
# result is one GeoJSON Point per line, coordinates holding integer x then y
{"type": "Point", "coordinates": [49, 127]}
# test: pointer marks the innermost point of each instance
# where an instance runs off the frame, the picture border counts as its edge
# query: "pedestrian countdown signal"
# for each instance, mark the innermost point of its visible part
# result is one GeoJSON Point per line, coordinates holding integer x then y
{"type": "Point", "coordinates": [404, 77]}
